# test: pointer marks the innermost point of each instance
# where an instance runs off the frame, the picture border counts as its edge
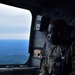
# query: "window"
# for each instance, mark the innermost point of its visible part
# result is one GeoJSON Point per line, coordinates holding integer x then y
{"type": "Point", "coordinates": [15, 25]}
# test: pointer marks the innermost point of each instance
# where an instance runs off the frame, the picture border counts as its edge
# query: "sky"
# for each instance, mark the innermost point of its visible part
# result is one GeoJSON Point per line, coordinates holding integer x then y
{"type": "Point", "coordinates": [15, 23]}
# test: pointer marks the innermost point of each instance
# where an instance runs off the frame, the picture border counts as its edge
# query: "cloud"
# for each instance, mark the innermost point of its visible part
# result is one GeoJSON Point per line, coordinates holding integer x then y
{"type": "Point", "coordinates": [14, 16]}
{"type": "Point", "coordinates": [15, 23]}
{"type": "Point", "coordinates": [14, 36]}
{"type": "Point", "coordinates": [14, 29]}
{"type": "Point", "coordinates": [13, 10]}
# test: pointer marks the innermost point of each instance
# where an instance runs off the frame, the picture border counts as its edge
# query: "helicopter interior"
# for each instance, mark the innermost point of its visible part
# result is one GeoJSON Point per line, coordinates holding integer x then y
{"type": "Point", "coordinates": [43, 13]}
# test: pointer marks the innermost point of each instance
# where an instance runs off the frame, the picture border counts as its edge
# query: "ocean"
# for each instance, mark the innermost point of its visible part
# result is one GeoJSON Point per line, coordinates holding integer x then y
{"type": "Point", "coordinates": [14, 51]}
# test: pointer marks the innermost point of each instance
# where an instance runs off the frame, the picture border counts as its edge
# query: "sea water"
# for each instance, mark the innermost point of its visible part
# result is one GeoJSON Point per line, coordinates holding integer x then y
{"type": "Point", "coordinates": [14, 51]}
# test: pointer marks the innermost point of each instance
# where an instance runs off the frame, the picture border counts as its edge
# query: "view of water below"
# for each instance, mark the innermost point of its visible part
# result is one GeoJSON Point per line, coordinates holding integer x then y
{"type": "Point", "coordinates": [14, 51]}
